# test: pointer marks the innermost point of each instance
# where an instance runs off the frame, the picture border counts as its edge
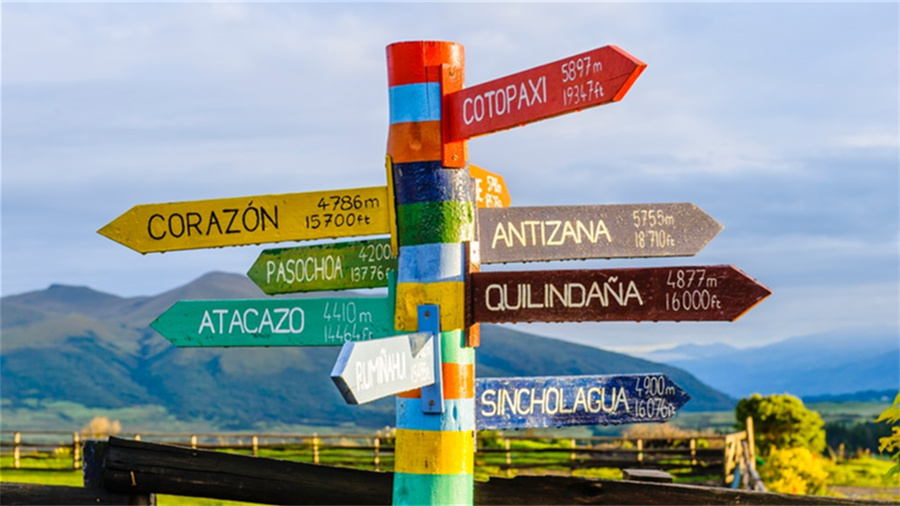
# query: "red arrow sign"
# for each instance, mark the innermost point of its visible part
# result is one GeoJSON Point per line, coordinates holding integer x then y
{"type": "Point", "coordinates": [694, 293]}
{"type": "Point", "coordinates": [585, 80]}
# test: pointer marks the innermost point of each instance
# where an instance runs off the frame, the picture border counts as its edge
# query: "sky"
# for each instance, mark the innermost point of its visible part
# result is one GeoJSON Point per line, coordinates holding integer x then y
{"type": "Point", "coordinates": [780, 120]}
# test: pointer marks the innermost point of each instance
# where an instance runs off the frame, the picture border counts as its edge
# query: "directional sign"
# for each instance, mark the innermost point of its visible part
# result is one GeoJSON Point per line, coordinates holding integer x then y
{"type": "Point", "coordinates": [490, 188]}
{"type": "Point", "coordinates": [251, 220]}
{"type": "Point", "coordinates": [694, 293]}
{"type": "Point", "coordinates": [548, 401]}
{"type": "Point", "coordinates": [338, 266]}
{"type": "Point", "coordinates": [369, 370]}
{"type": "Point", "coordinates": [526, 234]}
{"type": "Point", "coordinates": [585, 80]}
{"type": "Point", "coordinates": [276, 322]}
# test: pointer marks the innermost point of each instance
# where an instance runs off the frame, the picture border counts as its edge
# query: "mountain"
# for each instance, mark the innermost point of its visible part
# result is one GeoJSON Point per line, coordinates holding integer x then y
{"type": "Point", "coordinates": [97, 350]}
{"type": "Point", "coordinates": [821, 364]}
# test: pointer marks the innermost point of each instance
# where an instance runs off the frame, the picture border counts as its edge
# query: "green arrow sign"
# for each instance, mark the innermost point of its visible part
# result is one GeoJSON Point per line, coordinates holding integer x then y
{"type": "Point", "coordinates": [276, 322]}
{"type": "Point", "coordinates": [340, 266]}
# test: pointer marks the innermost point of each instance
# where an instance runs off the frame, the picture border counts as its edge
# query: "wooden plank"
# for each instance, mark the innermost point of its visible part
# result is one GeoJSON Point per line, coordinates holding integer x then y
{"type": "Point", "coordinates": [529, 234]}
{"type": "Point", "coordinates": [258, 219]}
{"type": "Point", "coordinates": [690, 293]}
{"type": "Point", "coordinates": [61, 495]}
{"type": "Point", "coordinates": [588, 79]}
{"type": "Point", "coordinates": [276, 322]}
{"type": "Point", "coordinates": [559, 401]}
{"type": "Point", "coordinates": [370, 370]}
{"type": "Point", "coordinates": [139, 467]}
{"type": "Point", "coordinates": [338, 266]}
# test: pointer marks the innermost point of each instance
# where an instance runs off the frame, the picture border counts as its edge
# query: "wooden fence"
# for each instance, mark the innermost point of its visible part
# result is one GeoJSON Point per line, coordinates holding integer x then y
{"type": "Point", "coordinates": [716, 456]}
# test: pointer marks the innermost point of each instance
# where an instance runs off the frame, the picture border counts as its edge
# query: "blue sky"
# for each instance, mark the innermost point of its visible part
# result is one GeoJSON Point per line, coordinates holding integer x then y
{"type": "Point", "coordinates": [779, 120]}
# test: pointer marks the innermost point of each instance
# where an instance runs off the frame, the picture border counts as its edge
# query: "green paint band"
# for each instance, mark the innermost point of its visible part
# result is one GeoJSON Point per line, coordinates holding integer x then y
{"type": "Point", "coordinates": [418, 489]}
{"type": "Point", "coordinates": [453, 350]}
{"type": "Point", "coordinates": [435, 222]}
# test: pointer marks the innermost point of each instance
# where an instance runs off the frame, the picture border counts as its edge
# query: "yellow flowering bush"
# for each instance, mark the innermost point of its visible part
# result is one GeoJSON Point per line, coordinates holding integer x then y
{"type": "Point", "coordinates": [794, 471]}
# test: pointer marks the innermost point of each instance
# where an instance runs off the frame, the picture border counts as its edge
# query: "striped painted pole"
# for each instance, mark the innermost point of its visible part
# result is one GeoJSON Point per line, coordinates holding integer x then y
{"type": "Point", "coordinates": [434, 453]}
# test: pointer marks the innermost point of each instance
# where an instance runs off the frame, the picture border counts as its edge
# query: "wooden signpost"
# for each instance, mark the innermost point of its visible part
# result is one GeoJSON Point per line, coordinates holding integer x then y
{"type": "Point", "coordinates": [558, 401]}
{"type": "Point", "coordinates": [261, 219]}
{"type": "Point", "coordinates": [585, 80]}
{"type": "Point", "coordinates": [437, 296]}
{"type": "Point", "coordinates": [276, 322]}
{"type": "Point", "coordinates": [369, 370]}
{"type": "Point", "coordinates": [490, 188]}
{"type": "Point", "coordinates": [526, 234]}
{"type": "Point", "coordinates": [692, 293]}
{"type": "Point", "coordinates": [338, 266]}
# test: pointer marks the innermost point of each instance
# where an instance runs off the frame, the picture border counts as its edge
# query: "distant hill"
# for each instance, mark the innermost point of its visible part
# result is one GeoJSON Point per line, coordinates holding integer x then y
{"type": "Point", "coordinates": [825, 364]}
{"type": "Point", "coordinates": [75, 344]}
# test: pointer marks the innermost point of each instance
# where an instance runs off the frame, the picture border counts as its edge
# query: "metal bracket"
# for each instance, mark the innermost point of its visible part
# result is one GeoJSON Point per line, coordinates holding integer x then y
{"type": "Point", "coordinates": [433, 395]}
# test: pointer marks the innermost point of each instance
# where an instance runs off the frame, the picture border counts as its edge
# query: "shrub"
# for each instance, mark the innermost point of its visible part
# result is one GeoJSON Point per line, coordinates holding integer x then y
{"type": "Point", "coordinates": [794, 471]}
{"type": "Point", "coordinates": [781, 421]}
{"type": "Point", "coordinates": [891, 443]}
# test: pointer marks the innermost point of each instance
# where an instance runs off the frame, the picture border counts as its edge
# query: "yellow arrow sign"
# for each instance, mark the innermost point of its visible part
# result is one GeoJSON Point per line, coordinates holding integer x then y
{"type": "Point", "coordinates": [490, 188]}
{"type": "Point", "coordinates": [240, 221]}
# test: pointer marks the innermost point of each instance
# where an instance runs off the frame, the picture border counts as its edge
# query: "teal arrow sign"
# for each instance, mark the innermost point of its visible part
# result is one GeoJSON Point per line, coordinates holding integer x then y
{"type": "Point", "coordinates": [338, 266]}
{"type": "Point", "coordinates": [276, 322]}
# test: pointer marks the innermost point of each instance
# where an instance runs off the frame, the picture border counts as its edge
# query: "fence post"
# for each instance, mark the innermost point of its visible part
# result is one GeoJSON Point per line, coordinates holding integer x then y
{"type": "Point", "coordinates": [17, 448]}
{"type": "Point", "coordinates": [76, 450]}
{"type": "Point", "coordinates": [377, 460]}
{"type": "Point", "coordinates": [255, 446]}
{"type": "Point", "coordinates": [95, 452]}
{"type": "Point", "coordinates": [508, 459]}
{"type": "Point", "coordinates": [193, 441]}
{"type": "Point", "coordinates": [315, 448]}
{"type": "Point", "coordinates": [640, 449]}
{"type": "Point", "coordinates": [693, 452]}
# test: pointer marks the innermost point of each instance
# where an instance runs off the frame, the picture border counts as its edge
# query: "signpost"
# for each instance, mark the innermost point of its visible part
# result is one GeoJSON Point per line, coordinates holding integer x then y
{"type": "Point", "coordinates": [240, 221]}
{"type": "Point", "coordinates": [694, 293]}
{"type": "Point", "coordinates": [585, 80]}
{"type": "Point", "coordinates": [369, 370]}
{"type": "Point", "coordinates": [338, 266]}
{"type": "Point", "coordinates": [558, 401]}
{"type": "Point", "coordinates": [276, 322]}
{"type": "Point", "coordinates": [490, 188]}
{"type": "Point", "coordinates": [526, 234]}
{"type": "Point", "coordinates": [428, 210]}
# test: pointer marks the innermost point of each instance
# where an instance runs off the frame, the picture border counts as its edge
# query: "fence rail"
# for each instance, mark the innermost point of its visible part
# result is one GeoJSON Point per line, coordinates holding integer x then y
{"type": "Point", "coordinates": [696, 456]}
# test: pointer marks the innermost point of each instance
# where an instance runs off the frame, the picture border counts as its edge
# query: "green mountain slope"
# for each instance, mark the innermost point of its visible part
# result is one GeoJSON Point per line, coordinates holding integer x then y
{"type": "Point", "coordinates": [75, 344]}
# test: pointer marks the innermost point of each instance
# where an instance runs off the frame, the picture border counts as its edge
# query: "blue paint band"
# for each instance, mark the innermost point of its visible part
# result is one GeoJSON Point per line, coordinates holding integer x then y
{"type": "Point", "coordinates": [426, 263]}
{"type": "Point", "coordinates": [411, 103]}
{"type": "Point", "coordinates": [419, 182]}
{"type": "Point", "coordinates": [459, 415]}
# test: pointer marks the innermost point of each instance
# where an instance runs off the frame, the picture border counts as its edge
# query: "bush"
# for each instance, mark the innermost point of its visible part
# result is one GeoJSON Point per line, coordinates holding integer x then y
{"type": "Point", "coordinates": [794, 471]}
{"type": "Point", "coordinates": [781, 421]}
{"type": "Point", "coordinates": [891, 443]}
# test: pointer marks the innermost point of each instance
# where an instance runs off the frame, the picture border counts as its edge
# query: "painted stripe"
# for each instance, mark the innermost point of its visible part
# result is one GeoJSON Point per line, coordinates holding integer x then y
{"type": "Point", "coordinates": [459, 415]}
{"type": "Point", "coordinates": [458, 382]}
{"type": "Point", "coordinates": [419, 61]}
{"type": "Point", "coordinates": [430, 182]}
{"type": "Point", "coordinates": [414, 142]}
{"type": "Point", "coordinates": [450, 295]}
{"type": "Point", "coordinates": [434, 452]}
{"type": "Point", "coordinates": [415, 102]}
{"type": "Point", "coordinates": [435, 222]}
{"type": "Point", "coordinates": [426, 263]}
{"type": "Point", "coordinates": [418, 489]}
{"type": "Point", "coordinates": [454, 350]}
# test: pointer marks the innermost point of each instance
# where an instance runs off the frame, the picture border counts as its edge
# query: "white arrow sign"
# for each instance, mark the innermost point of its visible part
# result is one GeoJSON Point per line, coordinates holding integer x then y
{"type": "Point", "coordinates": [369, 370]}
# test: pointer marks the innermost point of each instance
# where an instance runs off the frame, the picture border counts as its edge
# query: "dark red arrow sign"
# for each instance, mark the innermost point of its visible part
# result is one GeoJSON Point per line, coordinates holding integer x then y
{"type": "Point", "coordinates": [585, 80]}
{"type": "Point", "coordinates": [692, 293]}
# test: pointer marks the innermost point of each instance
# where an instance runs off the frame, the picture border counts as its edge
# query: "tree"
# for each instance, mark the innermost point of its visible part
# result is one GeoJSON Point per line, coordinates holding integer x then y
{"type": "Point", "coordinates": [891, 443]}
{"type": "Point", "coordinates": [781, 421]}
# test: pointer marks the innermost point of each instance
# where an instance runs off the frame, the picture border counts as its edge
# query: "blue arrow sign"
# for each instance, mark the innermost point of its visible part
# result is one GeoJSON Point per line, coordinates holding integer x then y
{"type": "Point", "coordinates": [556, 401]}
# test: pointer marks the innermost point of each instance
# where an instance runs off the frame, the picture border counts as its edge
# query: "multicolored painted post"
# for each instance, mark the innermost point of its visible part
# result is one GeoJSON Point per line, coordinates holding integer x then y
{"type": "Point", "coordinates": [434, 455]}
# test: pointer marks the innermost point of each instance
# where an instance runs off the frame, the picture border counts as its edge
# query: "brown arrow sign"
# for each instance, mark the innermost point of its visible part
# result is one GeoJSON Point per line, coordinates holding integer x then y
{"type": "Point", "coordinates": [693, 293]}
{"type": "Point", "coordinates": [527, 234]}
